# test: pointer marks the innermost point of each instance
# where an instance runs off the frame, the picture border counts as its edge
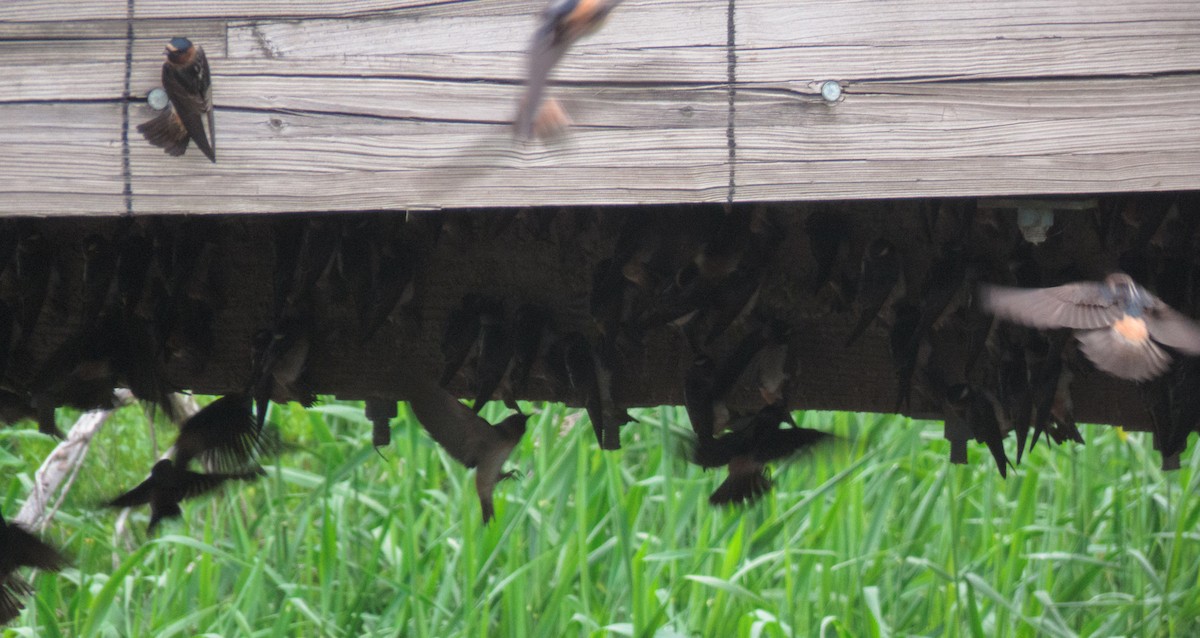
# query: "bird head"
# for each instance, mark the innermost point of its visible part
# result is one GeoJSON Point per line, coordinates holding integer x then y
{"type": "Point", "coordinates": [513, 428]}
{"type": "Point", "coordinates": [179, 50]}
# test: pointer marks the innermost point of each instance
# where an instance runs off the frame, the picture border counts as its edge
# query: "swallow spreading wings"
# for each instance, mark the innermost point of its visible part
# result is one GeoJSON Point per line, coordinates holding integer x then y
{"type": "Point", "coordinates": [1121, 327]}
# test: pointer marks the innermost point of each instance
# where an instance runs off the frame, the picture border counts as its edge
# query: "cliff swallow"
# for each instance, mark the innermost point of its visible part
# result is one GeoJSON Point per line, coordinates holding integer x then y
{"type": "Point", "coordinates": [748, 448]}
{"type": "Point", "coordinates": [529, 329]}
{"type": "Point", "coordinates": [460, 335]}
{"type": "Point", "coordinates": [224, 435]}
{"type": "Point", "coordinates": [21, 549]}
{"type": "Point", "coordinates": [828, 236]}
{"type": "Point", "coordinates": [879, 276]}
{"type": "Point", "coordinates": [584, 375]}
{"type": "Point", "coordinates": [169, 484]}
{"type": "Point", "coordinates": [698, 397]}
{"type": "Point", "coordinates": [563, 23]}
{"type": "Point", "coordinates": [100, 257]}
{"type": "Point", "coordinates": [8, 324]}
{"type": "Point", "coordinates": [380, 412]}
{"type": "Point", "coordinates": [1185, 408]}
{"type": "Point", "coordinates": [137, 359]}
{"type": "Point", "coordinates": [188, 83]}
{"type": "Point", "coordinates": [317, 249]}
{"type": "Point", "coordinates": [281, 363]}
{"type": "Point", "coordinates": [495, 353]}
{"type": "Point", "coordinates": [1120, 326]}
{"type": "Point", "coordinates": [468, 438]}
{"type": "Point", "coordinates": [133, 269]}
{"type": "Point", "coordinates": [35, 266]}
{"type": "Point", "coordinates": [391, 283]}
{"type": "Point", "coordinates": [976, 410]}
{"type": "Point", "coordinates": [905, 349]}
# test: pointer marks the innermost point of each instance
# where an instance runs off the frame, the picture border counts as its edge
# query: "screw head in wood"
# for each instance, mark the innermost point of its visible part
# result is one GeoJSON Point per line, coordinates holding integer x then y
{"type": "Point", "coordinates": [831, 90]}
{"type": "Point", "coordinates": [157, 99]}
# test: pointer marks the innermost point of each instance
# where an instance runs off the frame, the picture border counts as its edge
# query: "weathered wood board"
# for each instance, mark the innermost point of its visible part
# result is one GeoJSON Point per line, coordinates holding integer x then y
{"type": "Point", "coordinates": [325, 106]}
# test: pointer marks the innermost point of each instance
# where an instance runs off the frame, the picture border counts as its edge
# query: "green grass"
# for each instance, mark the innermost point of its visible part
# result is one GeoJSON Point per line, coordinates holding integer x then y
{"type": "Point", "coordinates": [876, 536]}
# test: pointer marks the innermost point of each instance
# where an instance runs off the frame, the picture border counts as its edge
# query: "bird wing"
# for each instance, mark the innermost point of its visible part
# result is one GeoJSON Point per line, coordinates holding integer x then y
{"type": "Point", "coordinates": [1082, 306]}
{"type": "Point", "coordinates": [453, 425]}
{"type": "Point", "coordinates": [1173, 328]}
{"type": "Point", "coordinates": [31, 551]}
{"type": "Point", "coordinates": [139, 495]}
{"type": "Point", "coordinates": [193, 484]}
{"type": "Point", "coordinates": [779, 443]}
{"type": "Point", "coordinates": [225, 435]}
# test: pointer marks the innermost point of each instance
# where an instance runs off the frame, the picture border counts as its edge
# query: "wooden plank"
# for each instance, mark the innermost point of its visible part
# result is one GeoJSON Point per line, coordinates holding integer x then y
{"type": "Point", "coordinates": [359, 105]}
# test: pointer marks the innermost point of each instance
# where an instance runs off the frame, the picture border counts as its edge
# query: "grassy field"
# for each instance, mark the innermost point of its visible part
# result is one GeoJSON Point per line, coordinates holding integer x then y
{"type": "Point", "coordinates": [875, 536]}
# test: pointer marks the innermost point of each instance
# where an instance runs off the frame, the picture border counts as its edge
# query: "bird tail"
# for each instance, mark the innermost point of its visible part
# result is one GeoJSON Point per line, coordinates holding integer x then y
{"type": "Point", "coordinates": [741, 487]}
{"type": "Point", "coordinates": [167, 132]}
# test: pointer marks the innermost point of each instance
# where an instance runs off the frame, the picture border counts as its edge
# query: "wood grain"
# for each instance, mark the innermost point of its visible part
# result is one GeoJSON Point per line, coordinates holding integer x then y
{"type": "Point", "coordinates": [361, 105]}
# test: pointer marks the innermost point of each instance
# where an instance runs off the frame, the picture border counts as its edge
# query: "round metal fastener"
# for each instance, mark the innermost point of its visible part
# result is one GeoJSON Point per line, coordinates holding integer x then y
{"type": "Point", "coordinates": [157, 99]}
{"type": "Point", "coordinates": [831, 91]}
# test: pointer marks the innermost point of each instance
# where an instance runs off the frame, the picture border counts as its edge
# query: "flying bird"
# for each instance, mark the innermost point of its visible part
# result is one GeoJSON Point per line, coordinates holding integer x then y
{"type": "Point", "coordinates": [188, 83]}
{"type": "Point", "coordinates": [758, 440]}
{"type": "Point", "coordinates": [467, 437]}
{"type": "Point", "coordinates": [1121, 327]}
{"type": "Point", "coordinates": [563, 23]}
{"type": "Point", "coordinates": [21, 549]}
{"type": "Point", "coordinates": [170, 483]}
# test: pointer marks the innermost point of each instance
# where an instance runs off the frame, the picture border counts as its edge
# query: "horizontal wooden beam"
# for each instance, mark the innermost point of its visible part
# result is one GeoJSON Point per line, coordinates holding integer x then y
{"type": "Point", "coordinates": [325, 106]}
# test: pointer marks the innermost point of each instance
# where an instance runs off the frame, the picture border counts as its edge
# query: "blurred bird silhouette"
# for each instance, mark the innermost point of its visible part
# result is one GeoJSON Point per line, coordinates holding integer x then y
{"type": "Point", "coordinates": [563, 23]}
{"type": "Point", "coordinates": [21, 549]}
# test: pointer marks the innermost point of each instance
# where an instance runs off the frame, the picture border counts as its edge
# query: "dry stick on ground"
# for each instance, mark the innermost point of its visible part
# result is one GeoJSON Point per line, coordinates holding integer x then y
{"type": "Point", "coordinates": [62, 465]}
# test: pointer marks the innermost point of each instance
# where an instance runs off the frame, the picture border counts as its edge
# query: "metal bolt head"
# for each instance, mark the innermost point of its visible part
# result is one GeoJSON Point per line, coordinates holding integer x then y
{"type": "Point", "coordinates": [831, 90]}
{"type": "Point", "coordinates": [157, 99]}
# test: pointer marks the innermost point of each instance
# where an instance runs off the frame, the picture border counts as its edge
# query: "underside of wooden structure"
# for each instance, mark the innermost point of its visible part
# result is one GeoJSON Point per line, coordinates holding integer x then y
{"type": "Point", "coordinates": [551, 258]}
{"type": "Point", "coordinates": [363, 118]}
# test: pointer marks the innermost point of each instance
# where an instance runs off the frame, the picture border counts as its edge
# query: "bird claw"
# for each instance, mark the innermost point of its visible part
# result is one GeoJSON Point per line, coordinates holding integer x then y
{"type": "Point", "coordinates": [511, 474]}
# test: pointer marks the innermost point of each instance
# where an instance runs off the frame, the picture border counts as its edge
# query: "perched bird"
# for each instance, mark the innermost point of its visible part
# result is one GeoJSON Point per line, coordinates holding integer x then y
{"type": "Point", "coordinates": [467, 437]}
{"type": "Point", "coordinates": [591, 381]}
{"type": "Point", "coordinates": [529, 329]}
{"type": "Point", "coordinates": [880, 274]}
{"type": "Point", "coordinates": [977, 411]}
{"type": "Point", "coordinates": [1121, 327]}
{"type": "Point", "coordinates": [281, 364]}
{"type": "Point", "coordinates": [563, 23]}
{"type": "Point", "coordinates": [100, 257]}
{"type": "Point", "coordinates": [461, 333]}
{"type": "Point", "coordinates": [699, 398]}
{"type": "Point", "coordinates": [21, 549]}
{"type": "Point", "coordinates": [170, 483]}
{"type": "Point", "coordinates": [188, 83]}
{"type": "Point", "coordinates": [495, 353]}
{"type": "Point", "coordinates": [828, 236]}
